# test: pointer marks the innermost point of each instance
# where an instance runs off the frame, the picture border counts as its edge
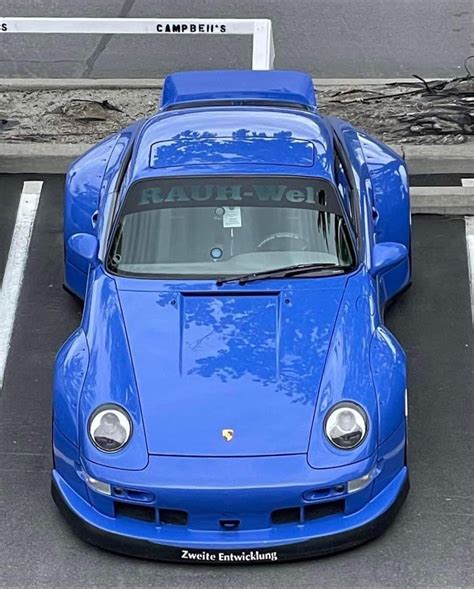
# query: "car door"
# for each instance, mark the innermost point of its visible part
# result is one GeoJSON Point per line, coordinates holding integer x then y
{"type": "Point", "coordinates": [84, 186]}
{"type": "Point", "coordinates": [390, 208]}
{"type": "Point", "coordinates": [91, 192]}
{"type": "Point", "coordinates": [380, 176]}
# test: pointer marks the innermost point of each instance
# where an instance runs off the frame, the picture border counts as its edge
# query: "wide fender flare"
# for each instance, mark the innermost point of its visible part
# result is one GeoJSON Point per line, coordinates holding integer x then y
{"type": "Point", "coordinates": [70, 370]}
{"type": "Point", "coordinates": [389, 372]}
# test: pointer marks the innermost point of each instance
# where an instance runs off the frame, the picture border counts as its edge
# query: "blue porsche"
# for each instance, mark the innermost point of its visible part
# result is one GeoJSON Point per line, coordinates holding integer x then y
{"type": "Point", "coordinates": [232, 394]}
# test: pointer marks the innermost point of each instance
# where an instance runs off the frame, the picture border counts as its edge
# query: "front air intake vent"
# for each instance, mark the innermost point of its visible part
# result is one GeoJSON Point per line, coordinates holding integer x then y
{"type": "Point", "coordinates": [174, 517]}
{"type": "Point", "coordinates": [146, 514]}
{"type": "Point", "coordinates": [318, 510]}
{"type": "Point", "coordinates": [289, 515]}
{"type": "Point", "coordinates": [294, 515]}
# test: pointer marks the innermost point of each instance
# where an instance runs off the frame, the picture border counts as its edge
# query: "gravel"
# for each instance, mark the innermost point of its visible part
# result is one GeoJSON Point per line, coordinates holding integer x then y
{"type": "Point", "coordinates": [409, 113]}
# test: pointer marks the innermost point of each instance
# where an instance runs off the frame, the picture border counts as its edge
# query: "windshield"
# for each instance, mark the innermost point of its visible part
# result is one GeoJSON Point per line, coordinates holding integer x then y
{"type": "Point", "coordinates": [220, 226]}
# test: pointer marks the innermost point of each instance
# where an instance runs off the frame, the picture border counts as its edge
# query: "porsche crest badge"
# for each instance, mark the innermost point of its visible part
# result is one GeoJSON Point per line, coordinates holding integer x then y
{"type": "Point", "coordinates": [227, 434]}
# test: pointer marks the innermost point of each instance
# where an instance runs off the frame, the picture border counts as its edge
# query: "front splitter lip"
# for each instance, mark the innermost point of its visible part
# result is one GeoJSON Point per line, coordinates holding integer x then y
{"type": "Point", "coordinates": [299, 550]}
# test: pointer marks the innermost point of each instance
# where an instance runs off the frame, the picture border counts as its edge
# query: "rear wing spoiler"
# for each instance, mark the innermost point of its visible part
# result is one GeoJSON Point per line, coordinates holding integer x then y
{"type": "Point", "coordinates": [239, 87]}
{"type": "Point", "coordinates": [260, 29]}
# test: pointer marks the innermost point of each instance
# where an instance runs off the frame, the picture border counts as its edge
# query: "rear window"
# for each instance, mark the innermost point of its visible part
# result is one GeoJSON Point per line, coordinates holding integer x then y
{"type": "Point", "coordinates": [212, 227]}
{"type": "Point", "coordinates": [282, 150]}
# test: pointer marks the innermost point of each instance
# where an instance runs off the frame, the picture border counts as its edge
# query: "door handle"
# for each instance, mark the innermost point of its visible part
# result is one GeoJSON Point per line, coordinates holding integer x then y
{"type": "Point", "coordinates": [94, 218]}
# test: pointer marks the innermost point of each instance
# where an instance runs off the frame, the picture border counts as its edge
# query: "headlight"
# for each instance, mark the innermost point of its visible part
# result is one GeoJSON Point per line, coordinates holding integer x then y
{"type": "Point", "coordinates": [346, 426]}
{"type": "Point", "coordinates": [109, 428]}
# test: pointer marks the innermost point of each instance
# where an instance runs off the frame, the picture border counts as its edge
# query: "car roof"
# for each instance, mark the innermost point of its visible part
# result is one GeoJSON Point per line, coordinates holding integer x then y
{"type": "Point", "coordinates": [233, 140]}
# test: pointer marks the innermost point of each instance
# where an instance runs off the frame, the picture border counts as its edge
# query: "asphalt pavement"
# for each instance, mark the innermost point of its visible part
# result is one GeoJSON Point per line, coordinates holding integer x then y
{"type": "Point", "coordinates": [430, 543]}
{"type": "Point", "coordinates": [441, 180]}
{"type": "Point", "coordinates": [327, 38]}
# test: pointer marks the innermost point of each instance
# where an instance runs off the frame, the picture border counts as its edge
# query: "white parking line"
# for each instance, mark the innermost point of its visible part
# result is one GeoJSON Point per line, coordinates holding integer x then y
{"type": "Point", "coordinates": [13, 276]}
{"type": "Point", "coordinates": [470, 257]}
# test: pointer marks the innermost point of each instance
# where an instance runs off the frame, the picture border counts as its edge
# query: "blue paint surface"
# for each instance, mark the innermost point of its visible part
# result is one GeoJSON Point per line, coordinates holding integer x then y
{"type": "Point", "coordinates": [188, 88]}
{"type": "Point", "coordinates": [187, 358]}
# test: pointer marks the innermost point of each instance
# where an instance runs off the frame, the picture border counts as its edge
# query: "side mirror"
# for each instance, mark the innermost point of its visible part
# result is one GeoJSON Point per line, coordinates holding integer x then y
{"type": "Point", "coordinates": [387, 255]}
{"type": "Point", "coordinates": [85, 246]}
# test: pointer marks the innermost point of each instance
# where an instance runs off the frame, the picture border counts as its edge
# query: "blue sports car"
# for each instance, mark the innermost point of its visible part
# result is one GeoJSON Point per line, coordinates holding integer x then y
{"type": "Point", "coordinates": [232, 394]}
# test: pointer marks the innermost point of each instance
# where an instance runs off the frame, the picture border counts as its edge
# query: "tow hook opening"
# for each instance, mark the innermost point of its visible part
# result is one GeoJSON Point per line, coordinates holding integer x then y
{"type": "Point", "coordinates": [229, 524]}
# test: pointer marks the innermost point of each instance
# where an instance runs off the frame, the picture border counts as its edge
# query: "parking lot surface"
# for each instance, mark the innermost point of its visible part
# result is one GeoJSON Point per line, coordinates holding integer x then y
{"type": "Point", "coordinates": [430, 543]}
{"type": "Point", "coordinates": [329, 39]}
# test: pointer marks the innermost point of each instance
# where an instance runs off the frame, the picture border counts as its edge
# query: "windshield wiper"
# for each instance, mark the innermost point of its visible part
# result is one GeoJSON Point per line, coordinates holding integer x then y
{"type": "Point", "coordinates": [284, 271]}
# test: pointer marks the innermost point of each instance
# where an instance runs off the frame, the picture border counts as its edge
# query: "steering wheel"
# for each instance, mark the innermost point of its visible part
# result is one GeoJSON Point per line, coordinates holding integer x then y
{"type": "Point", "coordinates": [304, 245]}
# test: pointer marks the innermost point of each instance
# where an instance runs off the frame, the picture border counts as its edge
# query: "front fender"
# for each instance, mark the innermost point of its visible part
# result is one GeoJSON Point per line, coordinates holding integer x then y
{"type": "Point", "coordinates": [347, 376]}
{"type": "Point", "coordinates": [110, 377]}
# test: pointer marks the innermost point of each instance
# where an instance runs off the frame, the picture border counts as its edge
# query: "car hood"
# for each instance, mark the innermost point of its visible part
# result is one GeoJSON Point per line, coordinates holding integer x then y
{"type": "Point", "coordinates": [230, 372]}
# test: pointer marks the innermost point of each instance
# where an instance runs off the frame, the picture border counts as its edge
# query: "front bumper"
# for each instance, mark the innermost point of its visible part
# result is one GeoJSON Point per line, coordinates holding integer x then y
{"type": "Point", "coordinates": [211, 491]}
{"type": "Point", "coordinates": [362, 526]}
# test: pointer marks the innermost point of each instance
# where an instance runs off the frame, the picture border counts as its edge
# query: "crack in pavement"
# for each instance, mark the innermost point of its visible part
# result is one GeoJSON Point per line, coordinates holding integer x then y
{"type": "Point", "coordinates": [39, 61]}
{"type": "Point", "coordinates": [104, 41]}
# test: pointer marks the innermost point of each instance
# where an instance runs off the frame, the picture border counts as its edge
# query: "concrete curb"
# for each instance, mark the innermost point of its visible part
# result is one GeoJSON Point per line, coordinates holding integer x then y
{"type": "Point", "coordinates": [39, 158]}
{"type": "Point", "coordinates": [54, 158]}
{"type": "Point", "coordinates": [119, 83]}
{"type": "Point", "coordinates": [439, 159]}
{"type": "Point", "coordinates": [442, 200]}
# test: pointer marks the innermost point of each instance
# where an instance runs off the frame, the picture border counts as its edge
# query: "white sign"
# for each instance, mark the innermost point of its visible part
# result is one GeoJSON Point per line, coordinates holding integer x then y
{"type": "Point", "coordinates": [232, 217]}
